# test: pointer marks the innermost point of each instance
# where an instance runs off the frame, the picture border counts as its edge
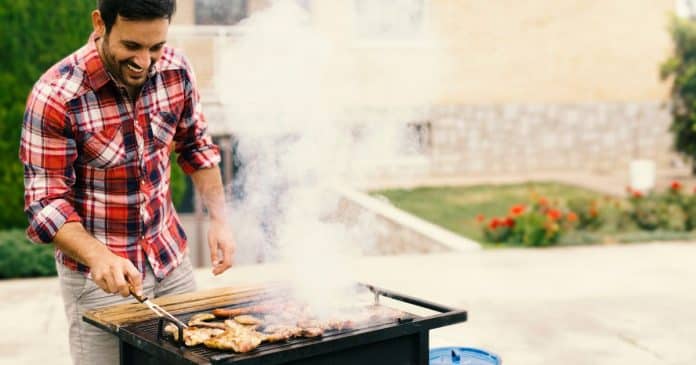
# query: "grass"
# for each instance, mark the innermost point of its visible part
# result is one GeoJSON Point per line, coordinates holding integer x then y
{"type": "Point", "coordinates": [456, 208]}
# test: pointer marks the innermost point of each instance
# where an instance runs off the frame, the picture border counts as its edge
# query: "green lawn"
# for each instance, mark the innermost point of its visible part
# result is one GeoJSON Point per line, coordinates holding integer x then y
{"type": "Point", "coordinates": [456, 208]}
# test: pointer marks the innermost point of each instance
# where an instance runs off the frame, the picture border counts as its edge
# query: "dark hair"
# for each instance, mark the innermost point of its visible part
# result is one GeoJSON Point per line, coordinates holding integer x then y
{"type": "Point", "coordinates": [135, 10]}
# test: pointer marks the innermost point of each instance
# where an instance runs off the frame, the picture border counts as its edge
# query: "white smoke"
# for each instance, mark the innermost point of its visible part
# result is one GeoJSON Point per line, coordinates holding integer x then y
{"type": "Point", "coordinates": [279, 93]}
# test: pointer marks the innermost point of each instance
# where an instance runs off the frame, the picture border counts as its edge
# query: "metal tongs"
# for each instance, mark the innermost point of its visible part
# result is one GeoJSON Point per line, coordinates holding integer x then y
{"type": "Point", "coordinates": [156, 308]}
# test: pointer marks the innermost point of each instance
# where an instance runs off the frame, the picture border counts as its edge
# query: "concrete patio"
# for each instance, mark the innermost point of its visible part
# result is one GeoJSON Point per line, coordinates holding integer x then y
{"type": "Point", "coordinates": [618, 304]}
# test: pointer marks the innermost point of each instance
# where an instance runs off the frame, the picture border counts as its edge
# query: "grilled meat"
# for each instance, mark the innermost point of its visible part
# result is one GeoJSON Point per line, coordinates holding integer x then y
{"type": "Point", "coordinates": [246, 319]}
{"type": "Point", "coordinates": [200, 320]}
{"type": "Point", "coordinates": [279, 333]}
{"type": "Point", "coordinates": [237, 338]}
{"type": "Point", "coordinates": [312, 332]}
{"type": "Point", "coordinates": [193, 335]}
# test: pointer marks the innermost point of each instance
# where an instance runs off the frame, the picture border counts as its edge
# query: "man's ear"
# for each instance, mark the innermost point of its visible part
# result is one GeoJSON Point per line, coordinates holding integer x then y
{"type": "Point", "coordinates": [98, 23]}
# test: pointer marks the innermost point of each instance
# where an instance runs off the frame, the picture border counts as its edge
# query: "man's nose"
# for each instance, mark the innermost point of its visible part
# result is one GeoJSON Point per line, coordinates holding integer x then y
{"type": "Point", "coordinates": [142, 59]}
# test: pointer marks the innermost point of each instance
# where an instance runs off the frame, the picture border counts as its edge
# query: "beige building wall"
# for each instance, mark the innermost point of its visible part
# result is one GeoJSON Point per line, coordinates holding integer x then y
{"type": "Point", "coordinates": [555, 50]}
{"type": "Point", "coordinates": [473, 51]}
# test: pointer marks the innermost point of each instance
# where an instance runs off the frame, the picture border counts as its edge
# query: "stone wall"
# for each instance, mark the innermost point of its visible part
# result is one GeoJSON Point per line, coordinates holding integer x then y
{"type": "Point", "coordinates": [521, 138]}
{"type": "Point", "coordinates": [526, 138]}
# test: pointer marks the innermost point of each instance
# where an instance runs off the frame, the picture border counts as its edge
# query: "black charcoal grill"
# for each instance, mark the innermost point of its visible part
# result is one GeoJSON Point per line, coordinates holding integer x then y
{"type": "Point", "coordinates": [402, 341]}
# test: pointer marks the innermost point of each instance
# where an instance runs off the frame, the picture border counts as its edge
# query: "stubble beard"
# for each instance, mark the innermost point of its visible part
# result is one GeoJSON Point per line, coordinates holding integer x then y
{"type": "Point", "coordinates": [114, 67]}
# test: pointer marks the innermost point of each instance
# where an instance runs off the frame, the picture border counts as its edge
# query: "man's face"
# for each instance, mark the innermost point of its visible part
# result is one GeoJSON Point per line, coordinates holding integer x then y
{"type": "Point", "coordinates": [132, 47]}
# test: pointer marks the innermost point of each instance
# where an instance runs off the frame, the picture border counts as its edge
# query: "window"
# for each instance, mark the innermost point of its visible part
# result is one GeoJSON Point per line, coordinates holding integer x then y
{"type": "Point", "coordinates": [220, 12]}
{"type": "Point", "coordinates": [389, 19]}
{"type": "Point", "coordinates": [419, 138]}
{"type": "Point", "coordinates": [686, 8]}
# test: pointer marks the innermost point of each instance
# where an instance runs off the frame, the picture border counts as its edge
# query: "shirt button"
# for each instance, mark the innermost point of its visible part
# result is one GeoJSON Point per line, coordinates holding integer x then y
{"type": "Point", "coordinates": [142, 182]}
{"type": "Point", "coordinates": [143, 237]}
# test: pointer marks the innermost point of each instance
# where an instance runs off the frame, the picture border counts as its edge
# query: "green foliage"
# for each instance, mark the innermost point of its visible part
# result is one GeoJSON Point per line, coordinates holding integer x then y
{"type": "Point", "coordinates": [456, 208]}
{"type": "Point", "coordinates": [177, 185]}
{"type": "Point", "coordinates": [587, 210]}
{"type": "Point", "coordinates": [35, 35]}
{"type": "Point", "coordinates": [521, 215]}
{"type": "Point", "coordinates": [534, 229]}
{"type": "Point", "coordinates": [20, 258]}
{"type": "Point", "coordinates": [681, 67]}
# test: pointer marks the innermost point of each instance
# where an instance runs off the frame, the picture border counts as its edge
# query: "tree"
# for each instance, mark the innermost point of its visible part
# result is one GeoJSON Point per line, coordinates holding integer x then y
{"type": "Point", "coordinates": [681, 67]}
{"type": "Point", "coordinates": [35, 35]}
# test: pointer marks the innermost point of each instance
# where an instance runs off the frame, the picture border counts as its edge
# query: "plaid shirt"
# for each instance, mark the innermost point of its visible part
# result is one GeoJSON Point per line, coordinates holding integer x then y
{"type": "Point", "coordinates": [91, 155]}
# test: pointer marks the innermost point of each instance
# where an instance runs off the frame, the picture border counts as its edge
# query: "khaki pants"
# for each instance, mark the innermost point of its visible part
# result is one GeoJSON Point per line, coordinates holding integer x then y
{"type": "Point", "coordinates": [90, 345]}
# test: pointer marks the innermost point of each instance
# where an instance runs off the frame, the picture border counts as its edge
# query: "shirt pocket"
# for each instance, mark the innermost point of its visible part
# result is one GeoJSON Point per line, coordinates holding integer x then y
{"type": "Point", "coordinates": [104, 148]}
{"type": "Point", "coordinates": [163, 127]}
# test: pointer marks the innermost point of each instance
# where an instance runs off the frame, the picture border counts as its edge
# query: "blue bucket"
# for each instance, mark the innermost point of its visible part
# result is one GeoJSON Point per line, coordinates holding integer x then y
{"type": "Point", "coordinates": [462, 356]}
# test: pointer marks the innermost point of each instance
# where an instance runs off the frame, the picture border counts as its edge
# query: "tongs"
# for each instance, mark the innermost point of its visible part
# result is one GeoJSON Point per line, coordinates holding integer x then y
{"type": "Point", "coordinates": [156, 308]}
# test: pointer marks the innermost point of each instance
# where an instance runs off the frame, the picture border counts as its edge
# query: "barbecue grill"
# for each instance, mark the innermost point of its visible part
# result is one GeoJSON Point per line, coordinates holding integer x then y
{"type": "Point", "coordinates": [399, 341]}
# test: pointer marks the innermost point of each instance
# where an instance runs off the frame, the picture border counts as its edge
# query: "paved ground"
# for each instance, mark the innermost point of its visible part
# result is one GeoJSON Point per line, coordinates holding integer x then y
{"type": "Point", "coordinates": [619, 304]}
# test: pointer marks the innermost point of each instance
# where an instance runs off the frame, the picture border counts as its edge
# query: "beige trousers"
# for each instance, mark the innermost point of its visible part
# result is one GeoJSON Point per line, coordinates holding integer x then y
{"type": "Point", "coordinates": [90, 345]}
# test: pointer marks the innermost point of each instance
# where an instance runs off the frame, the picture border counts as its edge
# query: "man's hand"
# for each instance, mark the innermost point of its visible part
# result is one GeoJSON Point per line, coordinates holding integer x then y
{"type": "Point", "coordinates": [109, 271]}
{"type": "Point", "coordinates": [114, 274]}
{"type": "Point", "coordinates": [221, 243]}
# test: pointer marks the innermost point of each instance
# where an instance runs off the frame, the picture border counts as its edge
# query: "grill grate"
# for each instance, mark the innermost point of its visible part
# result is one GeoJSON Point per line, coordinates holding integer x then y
{"type": "Point", "coordinates": [387, 340]}
{"type": "Point", "coordinates": [148, 330]}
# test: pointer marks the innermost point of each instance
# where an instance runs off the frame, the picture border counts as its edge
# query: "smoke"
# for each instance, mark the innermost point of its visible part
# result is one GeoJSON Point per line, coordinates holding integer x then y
{"type": "Point", "coordinates": [281, 88]}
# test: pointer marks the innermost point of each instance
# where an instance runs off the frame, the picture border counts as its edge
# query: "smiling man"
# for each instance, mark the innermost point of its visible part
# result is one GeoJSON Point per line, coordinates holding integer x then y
{"type": "Point", "coordinates": [98, 131]}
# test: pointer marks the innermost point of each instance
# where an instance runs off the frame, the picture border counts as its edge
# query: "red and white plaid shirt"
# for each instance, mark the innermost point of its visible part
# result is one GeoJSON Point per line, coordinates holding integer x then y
{"type": "Point", "coordinates": [90, 155]}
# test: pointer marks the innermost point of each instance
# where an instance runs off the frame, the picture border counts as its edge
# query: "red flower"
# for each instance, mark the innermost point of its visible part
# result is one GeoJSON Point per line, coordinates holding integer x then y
{"type": "Point", "coordinates": [509, 222]}
{"type": "Point", "coordinates": [480, 218]}
{"type": "Point", "coordinates": [637, 194]}
{"type": "Point", "coordinates": [593, 211]}
{"type": "Point", "coordinates": [554, 214]}
{"type": "Point", "coordinates": [494, 223]}
{"type": "Point", "coordinates": [675, 186]}
{"type": "Point", "coordinates": [572, 217]}
{"type": "Point", "coordinates": [516, 210]}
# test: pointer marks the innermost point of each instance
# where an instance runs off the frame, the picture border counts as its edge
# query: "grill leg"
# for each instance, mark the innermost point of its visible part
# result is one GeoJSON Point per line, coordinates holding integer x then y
{"type": "Point", "coordinates": [424, 347]}
{"type": "Point", "coordinates": [133, 356]}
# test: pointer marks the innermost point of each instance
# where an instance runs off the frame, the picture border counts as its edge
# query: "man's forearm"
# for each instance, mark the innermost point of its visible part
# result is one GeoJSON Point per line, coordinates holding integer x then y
{"type": "Point", "coordinates": [208, 183]}
{"type": "Point", "coordinates": [76, 242]}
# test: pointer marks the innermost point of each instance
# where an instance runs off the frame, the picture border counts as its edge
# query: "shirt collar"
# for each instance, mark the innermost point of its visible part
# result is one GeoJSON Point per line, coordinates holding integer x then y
{"type": "Point", "coordinates": [97, 75]}
{"type": "Point", "coordinates": [94, 67]}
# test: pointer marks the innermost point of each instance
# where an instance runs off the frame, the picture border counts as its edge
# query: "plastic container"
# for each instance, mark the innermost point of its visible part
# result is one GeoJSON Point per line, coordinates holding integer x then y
{"type": "Point", "coordinates": [462, 356]}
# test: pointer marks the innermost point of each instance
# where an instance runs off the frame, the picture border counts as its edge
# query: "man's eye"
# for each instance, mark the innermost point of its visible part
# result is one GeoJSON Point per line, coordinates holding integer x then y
{"type": "Point", "coordinates": [156, 48]}
{"type": "Point", "coordinates": [131, 47]}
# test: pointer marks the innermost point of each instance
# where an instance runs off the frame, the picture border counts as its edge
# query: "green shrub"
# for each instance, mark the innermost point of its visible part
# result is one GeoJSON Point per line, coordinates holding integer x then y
{"type": "Point", "coordinates": [681, 68]}
{"type": "Point", "coordinates": [35, 35]}
{"type": "Point", "coordinates": [535, 229]}
{"type": "Point", "coordinates": [587, 210]}
{"type": "Point", "coordinates": [21, 258]}
{"type": "Point", "coordinates": [646, 212]}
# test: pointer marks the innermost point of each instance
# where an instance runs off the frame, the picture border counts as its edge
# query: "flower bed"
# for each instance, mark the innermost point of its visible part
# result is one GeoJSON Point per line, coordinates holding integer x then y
{"type": "Point", "coordinates": [544, 221]}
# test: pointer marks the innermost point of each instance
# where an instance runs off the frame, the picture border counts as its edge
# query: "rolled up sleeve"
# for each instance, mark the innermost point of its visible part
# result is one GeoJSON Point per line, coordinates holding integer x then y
{"type": "Point", "coordinates": [194, 146]}
{"type": "Point", "coordinates": [47, 150]}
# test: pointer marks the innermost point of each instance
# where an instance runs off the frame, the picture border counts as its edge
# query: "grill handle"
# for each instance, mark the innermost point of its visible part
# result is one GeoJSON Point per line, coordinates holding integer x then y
{"type": "Point", "coordinates": [411, 300]}
{"type": "Point", "coordinates": [445, 316]}
{"type": "Point", "coordinates": [160, 330]}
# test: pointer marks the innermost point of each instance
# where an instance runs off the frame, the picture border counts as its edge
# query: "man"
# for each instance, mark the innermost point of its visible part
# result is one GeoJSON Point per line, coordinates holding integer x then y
{"type": "Point", "coordinates": [98, 130]}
